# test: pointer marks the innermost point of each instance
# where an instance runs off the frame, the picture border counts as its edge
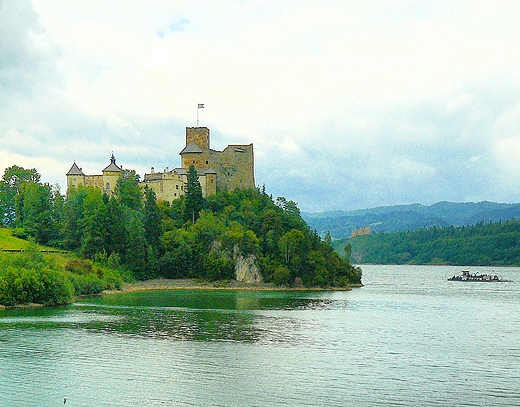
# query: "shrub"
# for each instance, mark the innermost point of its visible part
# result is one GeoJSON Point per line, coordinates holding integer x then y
{"type": "Point", "coordinates": [20, 233]}
{"type": "Point", "coordinates": [79, 266]}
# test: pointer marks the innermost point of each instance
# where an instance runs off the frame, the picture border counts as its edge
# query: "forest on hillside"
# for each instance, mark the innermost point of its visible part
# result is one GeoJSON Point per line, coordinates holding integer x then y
{"type": "Point", "coordinates": [191, 237]}
{"type": "Point", "coordinates": [396, 218]}
{"type": "Point", "coordinates": [483, 244]}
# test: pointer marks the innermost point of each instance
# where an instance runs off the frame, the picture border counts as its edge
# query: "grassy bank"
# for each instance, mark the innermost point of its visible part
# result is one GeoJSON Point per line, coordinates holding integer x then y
{"type": "Point", "coordinates": [9, 242]}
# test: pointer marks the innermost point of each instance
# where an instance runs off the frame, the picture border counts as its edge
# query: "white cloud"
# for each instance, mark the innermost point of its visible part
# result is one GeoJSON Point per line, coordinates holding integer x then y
{"type": "Point", "coordinates": [349, 104]}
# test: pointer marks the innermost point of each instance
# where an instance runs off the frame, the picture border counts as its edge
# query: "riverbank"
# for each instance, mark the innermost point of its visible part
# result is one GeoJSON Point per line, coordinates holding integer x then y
{"type": "Point", "coordinates": [198, 284]}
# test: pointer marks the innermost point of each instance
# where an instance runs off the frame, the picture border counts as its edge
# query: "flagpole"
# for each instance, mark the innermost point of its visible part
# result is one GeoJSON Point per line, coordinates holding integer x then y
{"type": "Point", "coordinates": [199, 106]}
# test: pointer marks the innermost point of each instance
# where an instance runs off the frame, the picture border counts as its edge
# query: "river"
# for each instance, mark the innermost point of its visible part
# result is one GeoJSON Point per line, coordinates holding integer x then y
{"type": "Point", "coordinates": [407, 338]}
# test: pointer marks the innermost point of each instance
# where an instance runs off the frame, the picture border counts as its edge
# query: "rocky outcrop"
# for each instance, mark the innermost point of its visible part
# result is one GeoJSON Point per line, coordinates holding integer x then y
{"type": "Point", "coordinates": [246, 268]}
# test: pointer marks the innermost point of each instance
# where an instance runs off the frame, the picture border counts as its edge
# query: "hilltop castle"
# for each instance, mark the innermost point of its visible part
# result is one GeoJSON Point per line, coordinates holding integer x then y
{"type": "Point", "coordinates": [229, 169]}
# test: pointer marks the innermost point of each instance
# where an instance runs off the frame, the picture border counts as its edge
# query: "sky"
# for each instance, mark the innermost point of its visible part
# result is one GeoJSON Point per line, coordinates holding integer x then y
{"type": "Point", "coordinates": [349, 104]}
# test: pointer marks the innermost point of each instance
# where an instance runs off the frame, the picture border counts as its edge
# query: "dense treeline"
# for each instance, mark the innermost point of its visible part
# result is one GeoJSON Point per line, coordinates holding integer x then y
{"type": "Point", "coordinates": [400, 218]}
{"type": "Point", "coordinates": [483, 244]}
{"type": "Point", "coordinates": [191, 237]}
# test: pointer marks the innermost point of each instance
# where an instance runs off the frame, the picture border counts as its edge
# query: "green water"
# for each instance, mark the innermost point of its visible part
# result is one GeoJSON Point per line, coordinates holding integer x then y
{"type": "Point", "coordinates": [408, 337]}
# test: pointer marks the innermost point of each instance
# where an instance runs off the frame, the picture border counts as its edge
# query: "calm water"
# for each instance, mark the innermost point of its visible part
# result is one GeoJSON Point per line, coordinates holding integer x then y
{"type": "Point", "coordinates": [407, 338]}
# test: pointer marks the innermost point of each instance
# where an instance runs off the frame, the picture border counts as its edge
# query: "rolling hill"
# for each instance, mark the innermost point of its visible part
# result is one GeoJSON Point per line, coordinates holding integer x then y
{"type": "Point", "coordinates": [390, 219]}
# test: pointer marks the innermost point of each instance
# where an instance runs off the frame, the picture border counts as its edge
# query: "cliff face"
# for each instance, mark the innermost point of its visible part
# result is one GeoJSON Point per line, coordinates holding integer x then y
{"type": "Point", "coordinates": [246, 269]}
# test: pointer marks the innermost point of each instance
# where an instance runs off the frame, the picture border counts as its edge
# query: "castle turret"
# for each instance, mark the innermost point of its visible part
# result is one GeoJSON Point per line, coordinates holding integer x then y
{"type": "Point", "coordinates": [75, 177]}
{"type": "Point", "coordinates": [111, 175]}
{"type": "Point", "coordinates": [198, 135]}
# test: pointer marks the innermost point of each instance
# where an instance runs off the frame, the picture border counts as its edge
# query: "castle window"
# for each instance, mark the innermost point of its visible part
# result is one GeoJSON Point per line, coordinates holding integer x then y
{"type": "Point", "coordinates": [207, 162]}
{"type": "Point", "coordinates": [175, 194]}
{"type": "Point", "coordinates": [177, 186]}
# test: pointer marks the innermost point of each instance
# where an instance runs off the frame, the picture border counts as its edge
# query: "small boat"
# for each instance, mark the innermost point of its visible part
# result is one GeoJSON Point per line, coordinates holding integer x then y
{"type": "Point", "coordinates": [487, 278]}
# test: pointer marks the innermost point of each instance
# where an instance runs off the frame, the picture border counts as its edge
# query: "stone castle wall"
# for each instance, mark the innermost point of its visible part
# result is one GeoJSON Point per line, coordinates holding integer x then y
{"type": "Point", "coordinates": [229, 169]}
{"type": "Point", "coordinates": [234, 167]}
{"type": "Point", "coordinates": [94, 181]}
{"type": "Point", "coordinates": [167, 185]}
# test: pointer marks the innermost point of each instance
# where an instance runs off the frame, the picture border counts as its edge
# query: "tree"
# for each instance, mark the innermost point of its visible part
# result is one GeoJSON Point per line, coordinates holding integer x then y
{"type": "Point", "coordinates": [152, 219]}
{"type": "Point", "coordinates": [13, 177]}
{"type": "Point", "coordinates": [136, 251]}
{"type": "Point", "coordinates": [193, 200]}
{"type": "Point", "coordinates": [94, 223]}
{"type": "Point", "coordinates": [116, 227]}
{"type": "Point", "coordinates": [72, 214]}
{"type": "Point", "coordinates": [128, 191]}
{"type": "Point", "coordinates": [33, 211]}
{"type": "Point", "coordinates": [291, 244]}
{"type": "Point", "coordinates": [57, 211]}
{"type": "Point", "coordinates": [348, 252]}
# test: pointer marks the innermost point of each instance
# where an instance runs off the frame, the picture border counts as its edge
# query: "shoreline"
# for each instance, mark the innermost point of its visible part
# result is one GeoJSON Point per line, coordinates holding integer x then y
{"type": "Point", "coordinates": [197, 284]}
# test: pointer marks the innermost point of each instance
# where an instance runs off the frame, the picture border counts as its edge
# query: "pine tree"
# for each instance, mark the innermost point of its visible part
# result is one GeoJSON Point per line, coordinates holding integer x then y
{"type": "Point", "coordinates": [193, 201]}
{"type": "Point", "coordinates": [128, 191]}
{"type": "Point", "coordinates": [94, 223]}
{"type": "Point", "coordinates": [152, 219]}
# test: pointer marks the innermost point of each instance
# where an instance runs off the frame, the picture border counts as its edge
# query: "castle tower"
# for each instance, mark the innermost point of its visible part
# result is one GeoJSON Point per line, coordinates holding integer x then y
{"type": "Point", "coordinates": [198, 135]}
{"type": "Point", "coordinates": [75, 177]}
{"type": "Point", "coordinates": [111, 175]}
{"type": "Point", "coordinates": [197, 151]}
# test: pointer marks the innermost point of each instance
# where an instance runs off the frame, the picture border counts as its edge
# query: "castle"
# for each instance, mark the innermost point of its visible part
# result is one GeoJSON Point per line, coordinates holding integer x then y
{"type": "Point", "coordinates": [229, 169]}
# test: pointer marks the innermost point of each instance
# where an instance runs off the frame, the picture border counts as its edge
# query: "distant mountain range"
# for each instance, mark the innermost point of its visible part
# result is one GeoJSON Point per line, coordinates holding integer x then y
{"type": "Point", "coordinates": [390, 219]}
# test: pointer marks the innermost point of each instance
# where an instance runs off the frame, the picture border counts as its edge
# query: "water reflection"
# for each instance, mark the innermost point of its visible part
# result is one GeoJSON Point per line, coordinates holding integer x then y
{"type": "Point", "coordinates": [204, 315]}
{"type": "Point", "coordinates": [201, 315]}
{"type": "Point", "coordinates": [212, 299]}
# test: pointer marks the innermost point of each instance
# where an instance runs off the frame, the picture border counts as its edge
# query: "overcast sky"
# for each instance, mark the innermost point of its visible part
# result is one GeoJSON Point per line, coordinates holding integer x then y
{"type": "Point", "coordinates": [349, 104]}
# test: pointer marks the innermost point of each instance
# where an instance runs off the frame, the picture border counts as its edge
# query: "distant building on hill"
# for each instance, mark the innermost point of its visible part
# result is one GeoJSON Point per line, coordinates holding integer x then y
{"type": "Point", "coordinates": [360, 232]}
{"type": "Point", "coordinates": [229, 169]}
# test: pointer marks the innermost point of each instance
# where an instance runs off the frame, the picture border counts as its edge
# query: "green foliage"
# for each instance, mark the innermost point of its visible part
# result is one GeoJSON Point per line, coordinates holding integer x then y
{"type": "Point", "coordinates": [72, 215]}
{"type": "Point", "coordinates": [10, 184]}
{"type": "Point", "coordinates": [483, 244]}
{"type": "Point", "coordinates": [152, 220]}
{"type": "Point", "coordinates": [91, 278]}
{"type": "Point", "coordinates": [128, 191]}
{"type": "Point", "coordinates": [34, 212]}
{"type": "Point", "coordinates": [20, 233]}
{"type": "Point", "coordinates": [193, 200]}
{"type": "Point", "coordinates": [191, 237]}
{"type": "Point", "coordinates": [134, 253]}
{"type": "Point", "coordinates": [93, 223]}
{"type": "Point", "coordinates": [29, 278]}
{"type": "Point", "coordinates": [245, 222]}
{"type": "Point", "coordinates": [281, 275]}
